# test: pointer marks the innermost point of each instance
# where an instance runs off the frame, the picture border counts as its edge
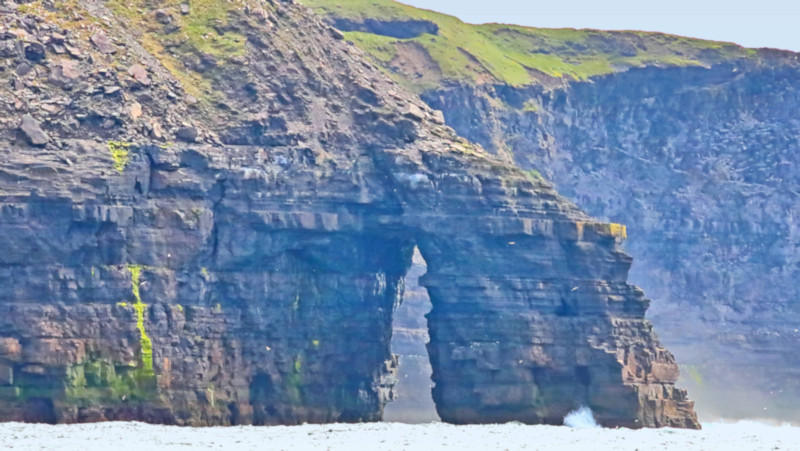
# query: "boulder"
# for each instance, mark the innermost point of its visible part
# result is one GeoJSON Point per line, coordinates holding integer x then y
{"type": "Point", "coordinates": [35, 52]}
{"type": "Point", "coordinates": [33, 131]}
{"type": "Point", "coordinates": [103, 43]}
{"type": "Point", "coordinates": [187, 134]}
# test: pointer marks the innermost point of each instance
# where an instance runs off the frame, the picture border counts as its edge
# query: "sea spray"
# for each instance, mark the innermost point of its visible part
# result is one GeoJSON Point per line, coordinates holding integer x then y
{"type": "Point", "coordinates": [394, 436]}
{"type": "Point", "coordinates": [581, 418]}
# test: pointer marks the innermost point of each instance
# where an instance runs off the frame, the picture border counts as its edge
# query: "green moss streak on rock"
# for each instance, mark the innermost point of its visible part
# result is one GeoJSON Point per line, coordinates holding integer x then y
{"type": "Point", "coordinates": [294, 381]}
{"type": "Point", "coordinates": [98, 381]}
{"type": "Point", "coordinates": [535, 175]}
{"type": "Point", "coordinates": [121, 155]}
{"type": "Point", "coordinates": [140, 307]}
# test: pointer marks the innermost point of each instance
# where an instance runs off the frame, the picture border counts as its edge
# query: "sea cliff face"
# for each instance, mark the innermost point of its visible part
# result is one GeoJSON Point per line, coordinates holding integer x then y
{"type": "Point", "coordinates": [207, 212]}
{"type": "Point", "coordinates": [695, 153]}
{"type": "Point", "coordinates": [701, 166]}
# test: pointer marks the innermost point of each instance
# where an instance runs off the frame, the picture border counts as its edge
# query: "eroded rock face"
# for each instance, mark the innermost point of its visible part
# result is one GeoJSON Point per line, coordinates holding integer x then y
{"type": "Point", "coordinates": [396, 29]}
{"type": "Point", "coordinates": [249, 276]}
{"type": "Point", "coordinates": [701, 164]}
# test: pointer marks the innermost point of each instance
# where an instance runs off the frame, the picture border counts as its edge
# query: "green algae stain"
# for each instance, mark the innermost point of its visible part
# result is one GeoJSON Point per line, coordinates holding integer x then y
{"type": "Point", "coordinates": [120, 153]}
{"type": "Point", "coordinates": [294, 381]}
{"type": "Point", "coordinates": [98, 381]}
{"type": "Point", "coordinates": [140, 307]}
{"type": "Point", "coordinates": [211, 396]}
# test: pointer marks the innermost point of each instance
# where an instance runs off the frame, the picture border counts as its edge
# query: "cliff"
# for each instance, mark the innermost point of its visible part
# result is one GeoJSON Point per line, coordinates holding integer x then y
{"type": "Point", "coordinates": [692, 144]}
{"type": "Point", "coordinates": [207, 211]}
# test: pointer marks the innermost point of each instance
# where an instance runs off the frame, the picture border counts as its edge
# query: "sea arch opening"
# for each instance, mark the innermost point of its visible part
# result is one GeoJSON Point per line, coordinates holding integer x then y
{"type": "Point", "coordinates": [413, 401]}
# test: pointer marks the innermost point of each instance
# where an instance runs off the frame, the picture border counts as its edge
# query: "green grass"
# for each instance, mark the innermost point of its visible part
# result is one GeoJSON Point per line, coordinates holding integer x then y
{"type": "Point", "coordinates": [197, 35]}
{"type": "Point", "coordinates": [535, 175]}
{"type": "Point", "coordinates": [520, 56]}
{"type": "Point", "coordinates": [381, 47]}
{"type": "Point", "coordinates": [530, 106]}
{"type": "Point", "coordinates": [196, 30]}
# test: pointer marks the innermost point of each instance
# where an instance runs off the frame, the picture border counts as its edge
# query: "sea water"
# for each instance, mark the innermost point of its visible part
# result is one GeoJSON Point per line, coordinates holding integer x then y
{"type": "Point", "coordinates": [747, 435]}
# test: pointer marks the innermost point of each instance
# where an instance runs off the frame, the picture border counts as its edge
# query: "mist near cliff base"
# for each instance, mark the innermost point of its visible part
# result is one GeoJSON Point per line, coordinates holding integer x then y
{"type": "Point", "coordinates": [394, 436]}
{"type": "Point", "coordinates": [581, 418]}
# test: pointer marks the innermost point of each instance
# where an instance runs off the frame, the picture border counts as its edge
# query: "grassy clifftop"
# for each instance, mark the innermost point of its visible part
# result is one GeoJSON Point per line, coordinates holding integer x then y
{"type": "Point", "coordinates": [509, 54]}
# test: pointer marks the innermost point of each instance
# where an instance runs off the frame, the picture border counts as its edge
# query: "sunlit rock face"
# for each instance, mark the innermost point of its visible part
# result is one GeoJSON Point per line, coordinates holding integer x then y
{"type": "Point", "coordinates": [701, 165]}
{"type": "Point", "coordinates": [218, 235]}
{"type": "Point", "coordinates": [691, 143]}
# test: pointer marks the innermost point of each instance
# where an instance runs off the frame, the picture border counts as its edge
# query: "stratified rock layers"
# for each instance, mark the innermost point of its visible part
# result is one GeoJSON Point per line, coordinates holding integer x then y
{"type": "Point", "coordinates": [250, 277]}
{"type": "Point", "coordinates": [701, 164]}
{"type": "Point", "coordinates": [263, 313]}
{"type": "Point", "coordinates": [571, 327]}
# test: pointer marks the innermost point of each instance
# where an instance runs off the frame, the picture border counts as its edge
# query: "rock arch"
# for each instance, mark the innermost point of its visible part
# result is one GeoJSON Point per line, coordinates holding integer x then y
{"type": "Point", "coordinates": [262, 308]}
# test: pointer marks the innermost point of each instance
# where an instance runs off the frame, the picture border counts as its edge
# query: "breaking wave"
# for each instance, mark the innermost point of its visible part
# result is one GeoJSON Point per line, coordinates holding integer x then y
{"type": "Point", "coordinates": [581, 418]}
{"type": "Point", "coordinates": [396, 436]}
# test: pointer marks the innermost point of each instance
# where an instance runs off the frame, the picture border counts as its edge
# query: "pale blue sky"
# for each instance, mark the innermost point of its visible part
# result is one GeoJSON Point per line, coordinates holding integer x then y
{"type": "Point", "coordinates": [754, 23]}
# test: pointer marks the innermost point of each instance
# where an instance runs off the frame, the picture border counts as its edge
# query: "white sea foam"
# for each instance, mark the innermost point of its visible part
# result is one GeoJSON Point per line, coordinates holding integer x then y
{"type": "Point", "coordinates": [394, 436]}
{"type": "Point", "coordinates": [581, 418]}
